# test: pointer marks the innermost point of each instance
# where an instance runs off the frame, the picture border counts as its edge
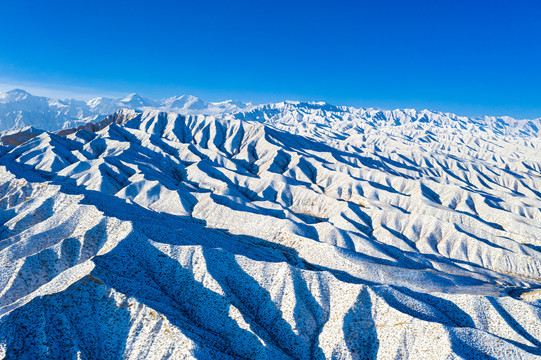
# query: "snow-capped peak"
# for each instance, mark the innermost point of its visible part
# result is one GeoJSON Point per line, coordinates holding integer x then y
{"type": "Point", "coordinates": [184, 102]}
{"type": "Point", "coordinates": [15, 95]}
{"type": "Point", "coordinates": [136, 101]}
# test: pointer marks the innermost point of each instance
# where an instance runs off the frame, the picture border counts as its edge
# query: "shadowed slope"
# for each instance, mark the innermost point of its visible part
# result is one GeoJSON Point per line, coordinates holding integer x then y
{"type": "Point", "coordinates": [246, 241]}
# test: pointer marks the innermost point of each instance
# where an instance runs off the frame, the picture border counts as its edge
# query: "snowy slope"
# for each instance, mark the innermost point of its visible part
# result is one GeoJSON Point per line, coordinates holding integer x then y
{"type": "Point", "coordinates": [287, 231]}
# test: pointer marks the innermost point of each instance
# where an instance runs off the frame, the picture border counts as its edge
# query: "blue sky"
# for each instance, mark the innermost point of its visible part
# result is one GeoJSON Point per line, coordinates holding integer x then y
{"type": "Point", "coordinates": [468, 57]}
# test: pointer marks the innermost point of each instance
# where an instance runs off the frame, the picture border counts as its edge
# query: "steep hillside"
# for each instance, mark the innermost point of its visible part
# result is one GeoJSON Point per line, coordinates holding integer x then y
{"type": "Point", "coordinates": [287, 231]}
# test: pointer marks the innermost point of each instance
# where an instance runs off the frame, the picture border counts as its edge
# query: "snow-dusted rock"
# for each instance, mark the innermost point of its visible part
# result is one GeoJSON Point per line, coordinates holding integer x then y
{"type": "Point", "coordinates": [286, 231]}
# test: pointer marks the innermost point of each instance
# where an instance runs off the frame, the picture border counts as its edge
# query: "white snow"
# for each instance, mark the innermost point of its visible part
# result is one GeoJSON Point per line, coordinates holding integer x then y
{"type": "Point", "coordinates": [285, 231]}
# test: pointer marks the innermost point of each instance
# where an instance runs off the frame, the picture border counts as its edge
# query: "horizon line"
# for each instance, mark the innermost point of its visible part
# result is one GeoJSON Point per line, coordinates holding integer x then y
{"type": "Point", "coordinates": [87, 94]}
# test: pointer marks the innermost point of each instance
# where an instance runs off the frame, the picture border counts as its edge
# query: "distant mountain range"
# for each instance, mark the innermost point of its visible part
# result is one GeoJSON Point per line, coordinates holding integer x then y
{"type": "Point", "coordinates": [325, 121]}
{"type": "Point", "coordinates": [19, 108]}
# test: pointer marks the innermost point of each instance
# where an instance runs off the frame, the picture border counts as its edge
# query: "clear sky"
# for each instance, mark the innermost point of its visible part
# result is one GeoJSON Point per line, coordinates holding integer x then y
{"type": "Point", "coordinates": [468, 57]}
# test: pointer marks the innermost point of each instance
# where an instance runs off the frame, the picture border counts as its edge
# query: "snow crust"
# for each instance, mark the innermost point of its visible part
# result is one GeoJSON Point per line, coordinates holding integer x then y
{"type": "Point", "coordinates": [286, 231]}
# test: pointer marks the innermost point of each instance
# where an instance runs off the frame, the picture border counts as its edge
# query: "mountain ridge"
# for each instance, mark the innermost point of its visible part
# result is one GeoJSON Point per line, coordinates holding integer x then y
{"type": "Point", "coordinates": [287, 231]}
{"type": "Point", "coordinates": [18, 109]}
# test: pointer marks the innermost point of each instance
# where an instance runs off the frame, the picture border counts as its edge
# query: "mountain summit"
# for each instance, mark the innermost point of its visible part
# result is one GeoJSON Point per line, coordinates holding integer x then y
{"type": "Point", "coordinates": [15, 95]}
{"type": "Point", "coordinates": [135, 101]}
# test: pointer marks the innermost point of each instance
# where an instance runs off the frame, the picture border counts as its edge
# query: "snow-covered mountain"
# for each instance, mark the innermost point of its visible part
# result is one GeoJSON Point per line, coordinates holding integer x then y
{"type": "Point", "coordinates": [18, 109]}
{"type": "Point", "coordinates": [340, 122]}
{"type": "Point", "coordinates": [101, 105]}
{"type": "Point", "coordinates": [284, 231]}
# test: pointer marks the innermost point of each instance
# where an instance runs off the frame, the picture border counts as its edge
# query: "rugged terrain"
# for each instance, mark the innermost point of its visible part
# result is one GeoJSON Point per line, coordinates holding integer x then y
{"type": "Point", "coordinates": [280, 231]}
